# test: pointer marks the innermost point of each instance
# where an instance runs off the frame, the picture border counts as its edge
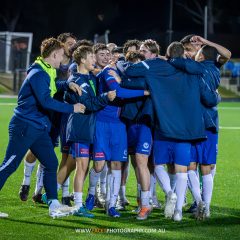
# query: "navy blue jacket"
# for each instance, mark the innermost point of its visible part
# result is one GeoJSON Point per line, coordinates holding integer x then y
{"type": "Point", "coordinates": [176, 99]}
{"type": "Point", "coordinates": [209, 70]}
{"type": "Point", "coordinates": [139, 110]}
{"type": "Point", "coordinates": [81, 127]}
{"type": "Point", "coordinates": [34, 99]}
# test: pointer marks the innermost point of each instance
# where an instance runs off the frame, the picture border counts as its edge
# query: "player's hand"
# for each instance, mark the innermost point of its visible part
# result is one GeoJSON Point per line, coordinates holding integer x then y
{"type": "Point", "coordinates": [79, 108]}
{"type": "Point", "coordinates": [146, 93]}
{"type": "Point", "coordinates": [115, 75]}
{"type": "Point", "coordinates": [111, 95]}
{"type": "Point", "coordinates": [76, 88]}
{"type": "Point", "coordinates": [197, 40]}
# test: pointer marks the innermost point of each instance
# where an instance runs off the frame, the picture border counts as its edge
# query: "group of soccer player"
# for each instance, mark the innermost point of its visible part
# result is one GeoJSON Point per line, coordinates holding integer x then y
{"type": "Point", "coordinates": [129, 103]}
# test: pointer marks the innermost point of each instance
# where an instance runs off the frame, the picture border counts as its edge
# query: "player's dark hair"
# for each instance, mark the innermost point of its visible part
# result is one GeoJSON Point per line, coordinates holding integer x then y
{"type": "Point", "coordinates": [131, 43]}
{"type": "Point", "coordinates": [81, 53]}
{"type": "Point", "coordinates": [187, 39]}
{"type": "Point", "coordinates": [133, 56]}
{"type": "Point", "coordinates": [117, 50]}
{"type": "Point", "coordinates": [64, 36]}
{"type": "Point", "coordinates": [209, 53]}
{"type": "Point", "coordinates": [83, 42]}
{"type": "Point", "coordinates": [99, 46]}
{"type": "Point", "coordinates": [152, 46]}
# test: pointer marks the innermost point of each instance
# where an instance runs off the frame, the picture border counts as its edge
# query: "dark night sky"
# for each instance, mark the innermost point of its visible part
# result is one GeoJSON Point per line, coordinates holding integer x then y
{"type": "Point", "coordinates": [124, 19]}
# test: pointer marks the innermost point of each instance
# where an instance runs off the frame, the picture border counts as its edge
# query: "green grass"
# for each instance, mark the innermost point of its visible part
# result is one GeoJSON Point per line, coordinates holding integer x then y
{"type": "Point", "coordinates": [29, 221]}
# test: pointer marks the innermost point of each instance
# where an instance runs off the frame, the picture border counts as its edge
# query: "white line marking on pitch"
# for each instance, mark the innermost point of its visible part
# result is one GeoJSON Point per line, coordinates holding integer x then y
{"type": "Point", "coordinates": [228, 108]}
{"type": "Point", "coordinates": [8, 104]}
{"type": "Point", "coordinates": [230, 128]}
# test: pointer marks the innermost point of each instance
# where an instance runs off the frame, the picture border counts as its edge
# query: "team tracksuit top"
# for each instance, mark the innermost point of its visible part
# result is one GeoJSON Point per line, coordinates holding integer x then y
{"type": "Point", "coordinates": [34, 98]}
{"type": "Point", "coordinates": [81, 127]}
{"type": "Point", "coordinates": [209, 70]}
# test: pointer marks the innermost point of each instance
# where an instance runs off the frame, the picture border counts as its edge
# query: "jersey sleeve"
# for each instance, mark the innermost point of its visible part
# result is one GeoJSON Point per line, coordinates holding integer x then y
{"type": "Point", "coordinates": [209, 97]}
{"type": "Point", "coordinates": [40, 83]}
{"type": "Point", "coordinates": [137, 70]}
{"type": "Point", "coordinates": [95, 103]}
{"type": "Point", "coordinates": [120, 92]}
{"type": "Point", "coordinates": [187, 65]}
{"type": "Point", "coordinates": [134, 83]}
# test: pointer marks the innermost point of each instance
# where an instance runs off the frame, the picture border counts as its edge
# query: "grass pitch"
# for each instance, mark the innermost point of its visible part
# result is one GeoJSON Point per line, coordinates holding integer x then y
{"type": "Point", "coordinates": [30, 221]}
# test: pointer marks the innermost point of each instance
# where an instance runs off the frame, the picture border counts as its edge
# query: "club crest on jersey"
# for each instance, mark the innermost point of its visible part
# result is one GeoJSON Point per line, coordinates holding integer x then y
{"type": "Point", "coordinates": [146, 145]}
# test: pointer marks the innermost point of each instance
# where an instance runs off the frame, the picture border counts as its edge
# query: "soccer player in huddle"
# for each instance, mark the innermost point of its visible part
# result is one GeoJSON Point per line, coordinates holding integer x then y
{"type": "Point", "coordinates": [208, 60]}
{"type": "Point", "coordinates": [150, 49]}
{"type": "Point", "coordinates": [68, 39]}
{"type": "Point", "coordinates": [110, 143]}
{"type": "Point", "coordinates": [30, 125]}
{"type": "Point", "coordinates": [173, 134]}
{"type": "Point", "coordinates": [81, 138]}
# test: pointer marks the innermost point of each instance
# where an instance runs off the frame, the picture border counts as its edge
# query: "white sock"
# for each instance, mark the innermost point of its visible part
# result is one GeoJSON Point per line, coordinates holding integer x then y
{"type": "Point", "coordinates": [145, 198]}
{"type": "Point", "coordinates": [122, 192]}
{"type": "Point", "coordinates": [78, 199]}
{"type": "Point", "coordinates": [65, 188]}
{"type": "Point", "coordinates": [39, 181]}
{"type": "Point", "coordinates": [163, 178]}
{"type": "Point", "coordinates": [103, 179]}
{"type": "Point", "coordinates": [108, 186]}
{"type": "Point", "coordinates": [172, 181]}
{"type": "Point", "coordinates": [28, 168]}
{"type": "Point", "coordinates": [93, 178]}
{"type": "Point", "coordinates": [59, 186]}
{"type": "Point", "coordinates": [116, 182]}
{"type": "Point", "coordinates": [207, 188]}
{"type": "Point", "coordinates": [181, 184]}
{"type": "Point", "coordinates": [194, 185]}
{"type": "Point", "coordinates": [213, 171]}
{"type": "Point", "coordinates": [53, 204]}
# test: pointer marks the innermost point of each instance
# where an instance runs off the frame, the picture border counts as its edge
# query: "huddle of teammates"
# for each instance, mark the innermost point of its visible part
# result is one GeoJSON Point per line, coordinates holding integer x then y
{"type": "Point", "coordinates": [110, 104]}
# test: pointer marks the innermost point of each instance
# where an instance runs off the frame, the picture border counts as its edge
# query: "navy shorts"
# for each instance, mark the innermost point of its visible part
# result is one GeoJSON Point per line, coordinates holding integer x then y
{"type": "Point", "coordinates": [110, 142]}
{"type": "Point", "coordinates": [79, 150]}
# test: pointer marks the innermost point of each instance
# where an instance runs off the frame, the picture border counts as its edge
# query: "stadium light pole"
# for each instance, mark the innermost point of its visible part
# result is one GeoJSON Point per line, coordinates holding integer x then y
{"type": "Point", "coordinates": [205, 22]}
{"type": "Point", "coordinates": [170, 31]}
